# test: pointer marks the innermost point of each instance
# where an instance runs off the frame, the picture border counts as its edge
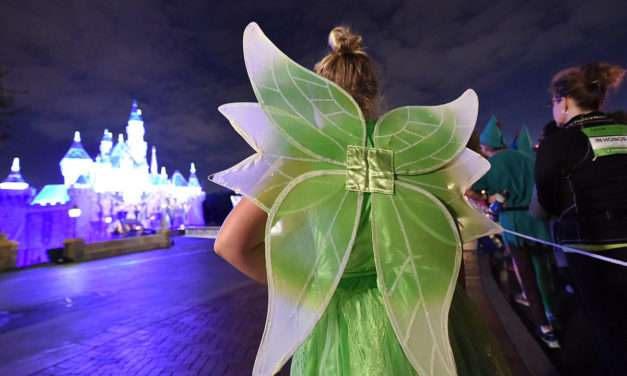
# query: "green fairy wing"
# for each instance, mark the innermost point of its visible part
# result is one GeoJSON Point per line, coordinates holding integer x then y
{"type": "Point", "coordinates": [302, 122]}
{"type": "Point", "coordinates": [425, 138]}
{"type": "Point", "coordinates": [277, 161]}
{"type": "Point", "coordinates": [417, 249]}
{"type": "Point", "coordinates": [315, 113]}
{"type": "Point", "coordinates": [416, 230]}
{"type": "Point", "coordinates": [310, 233]}
{"type": "Point", "coordinates": [300, 130]}
{"type": "Point", "coordinates": [449, 183]}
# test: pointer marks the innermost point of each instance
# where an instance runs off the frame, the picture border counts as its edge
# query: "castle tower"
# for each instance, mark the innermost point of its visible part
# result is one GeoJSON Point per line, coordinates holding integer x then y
{"type": "Point", "coordinates": [163, 176]}
{"type": "Point", "coordinates": [119, 153]}
{"type": "Point", "coordinates": [195, 198]}
{"type": "Point", "coordinates": [85, 199]}
{"type": "Point", "coordinates": [106, 144]}
{"type": "Point", "coordinates": [14, 181]}
{"type": "Point", "coordinates": [15, 198]}
{"type": "Point", "coordinates": [135, 136]}
{"type": "Point", "coordinates": [76, 162]}
{"type": "Point", "coordinates": [154, 167]}
{"type": "Point", "coordinates": [193, 180]}
{"type": "Point", "coordinates": [102, 175]}
{"type": "Point", "coordinates": [178, 180]}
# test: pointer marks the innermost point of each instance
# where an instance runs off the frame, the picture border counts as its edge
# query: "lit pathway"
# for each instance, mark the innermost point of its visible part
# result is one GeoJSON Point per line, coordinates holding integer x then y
{"type": "Point", "coordinates": [178, 311]}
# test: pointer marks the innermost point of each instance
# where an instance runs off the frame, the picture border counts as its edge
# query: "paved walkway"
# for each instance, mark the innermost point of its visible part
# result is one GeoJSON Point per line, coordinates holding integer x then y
{"type": "Point", "coordinates": [219, 337]}
{"type": "Point", "coordinates": [180, 311]}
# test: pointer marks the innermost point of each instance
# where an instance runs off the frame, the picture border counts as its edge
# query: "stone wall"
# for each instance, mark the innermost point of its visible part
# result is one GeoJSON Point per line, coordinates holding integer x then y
{"type": "Point", "coordinates": [8, 253]}
{"type": "Point", "coordinates": [78, 250]}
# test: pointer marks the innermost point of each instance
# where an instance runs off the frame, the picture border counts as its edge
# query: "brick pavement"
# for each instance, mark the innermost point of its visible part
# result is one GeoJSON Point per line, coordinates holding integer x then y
{"type": "Point", "coordinates": [219, 337]}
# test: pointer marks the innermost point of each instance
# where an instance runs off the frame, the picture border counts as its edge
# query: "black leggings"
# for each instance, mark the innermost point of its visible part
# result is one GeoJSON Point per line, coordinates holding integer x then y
{"type": "Point", "coordinates": [534, 282]}
{"type": "Point", "coordinates": [602, 290]}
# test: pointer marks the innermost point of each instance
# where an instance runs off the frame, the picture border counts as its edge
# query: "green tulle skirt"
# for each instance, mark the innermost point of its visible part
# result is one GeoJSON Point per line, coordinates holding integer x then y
{"type": "Point", "coordinates": [354, 337]}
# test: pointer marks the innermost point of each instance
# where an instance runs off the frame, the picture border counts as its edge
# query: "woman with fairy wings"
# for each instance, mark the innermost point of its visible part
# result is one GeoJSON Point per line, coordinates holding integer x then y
{"type": "Point", "coordinates": [355, 223]}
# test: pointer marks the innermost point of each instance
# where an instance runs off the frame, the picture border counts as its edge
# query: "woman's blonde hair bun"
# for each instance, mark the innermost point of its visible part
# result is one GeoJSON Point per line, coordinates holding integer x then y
{"type": "Point", "coordinates": [342, 40]}
{"type": "Point", "coordinates": [352, 69]}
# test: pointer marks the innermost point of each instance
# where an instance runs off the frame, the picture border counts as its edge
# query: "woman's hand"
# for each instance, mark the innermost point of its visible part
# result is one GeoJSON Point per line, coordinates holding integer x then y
{"type": "Point", "coordinates": [241, 240]}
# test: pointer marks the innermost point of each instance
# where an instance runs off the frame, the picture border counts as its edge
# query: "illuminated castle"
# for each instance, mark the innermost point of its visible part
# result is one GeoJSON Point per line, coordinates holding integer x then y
{"type": "Point", "coordinates": [116, 191]}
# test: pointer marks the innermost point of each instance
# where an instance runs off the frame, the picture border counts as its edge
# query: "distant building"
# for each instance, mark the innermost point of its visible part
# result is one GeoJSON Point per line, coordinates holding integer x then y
{"type": "Point", "coordinates": [117, 192]}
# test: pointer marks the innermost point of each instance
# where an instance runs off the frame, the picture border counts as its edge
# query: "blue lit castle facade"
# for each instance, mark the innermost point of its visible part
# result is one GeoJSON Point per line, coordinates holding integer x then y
{"type": "Point", "coordinates": [118, 192]}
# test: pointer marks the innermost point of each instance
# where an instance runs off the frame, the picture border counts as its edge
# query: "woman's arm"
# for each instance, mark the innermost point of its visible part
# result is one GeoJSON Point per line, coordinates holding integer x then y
{"type": "Point", "coordinates": [241, 240]}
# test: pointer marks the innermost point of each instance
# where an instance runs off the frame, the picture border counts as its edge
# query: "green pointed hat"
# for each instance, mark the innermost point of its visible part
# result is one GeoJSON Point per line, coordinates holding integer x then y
{"type": "Point", "coordinates": [524, 143]}
{"type": "Point", "coordinates": [491, 135]}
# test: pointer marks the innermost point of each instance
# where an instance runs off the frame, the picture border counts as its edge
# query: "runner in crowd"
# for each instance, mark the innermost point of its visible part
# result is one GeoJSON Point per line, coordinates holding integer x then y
{"type": "Point", "coordinates": [581, 174]}
{"type": "Point", "coordinates": [510, 180]}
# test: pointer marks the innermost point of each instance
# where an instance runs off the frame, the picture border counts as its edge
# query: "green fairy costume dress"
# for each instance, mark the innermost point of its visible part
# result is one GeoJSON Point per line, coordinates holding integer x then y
{"type": "Point", "coordinates": [365, 225]}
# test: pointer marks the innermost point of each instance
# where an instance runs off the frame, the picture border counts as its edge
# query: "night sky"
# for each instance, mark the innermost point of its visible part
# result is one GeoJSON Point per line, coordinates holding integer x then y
{"type": "Point", "coordinates": [78, 65]}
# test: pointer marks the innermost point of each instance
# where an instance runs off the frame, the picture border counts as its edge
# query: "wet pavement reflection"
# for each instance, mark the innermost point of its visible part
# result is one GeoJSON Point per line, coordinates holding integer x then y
{"type": "Point", "coordinates": [177, 311]}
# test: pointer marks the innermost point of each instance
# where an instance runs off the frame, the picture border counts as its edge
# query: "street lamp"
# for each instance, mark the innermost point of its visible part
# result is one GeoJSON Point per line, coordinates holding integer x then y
{"type": "Point", "coordinates": [74, 213]}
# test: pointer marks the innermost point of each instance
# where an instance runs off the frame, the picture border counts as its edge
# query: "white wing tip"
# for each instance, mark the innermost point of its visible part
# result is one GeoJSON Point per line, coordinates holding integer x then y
{"type": "Point", "coordinates": [252, 33]}
{"type": "Point", "coordinates": [468, 106]}
{"type": "Point", "coordinates": [252, 27]}
{"type": "Point", "coordinates": [468, 96]}
{"type": "Point", "coordinates": [494, 229]}
{"type": "Point", "coordinates": [216, 177]}
{"type": "Point", "coordinates": [490, 228]}
{"type": "Point", "coordinates": [226, 108]}
{"type": "Point", "coordinates": [469, 92]}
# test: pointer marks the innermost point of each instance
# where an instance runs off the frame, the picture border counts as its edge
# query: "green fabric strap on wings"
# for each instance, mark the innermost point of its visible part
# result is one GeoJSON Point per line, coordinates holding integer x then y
{"type": "Point", "coordinates": [369, 170]}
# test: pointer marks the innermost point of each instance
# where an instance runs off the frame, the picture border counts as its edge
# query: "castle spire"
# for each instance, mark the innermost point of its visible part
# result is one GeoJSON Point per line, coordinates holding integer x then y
{"type": "Point", "coordinates": [193, 180]}
{"type": "Point", "coordinates": [163, 176]}
{"type": "Point", "coordinates": [76, 161]}
{"type": "Point", "coordinates": [137, 146]}
{"type": "Point", "coordinates": [15, 166]}
{"type": "Point", "coordinates": [106, 144]}
{"type": "Point", "coordinates": [136, 112]}
{"type": "Point", "coordinates": [76, 150]}
{"type": "Point", "coordinates": [119, 153]}
{"type": "Point", "coordinates": [108, 135]}
{"type": "Point", "coordinates": [154, 167]}
{"type": "Point", "coordinates": [14, 181]}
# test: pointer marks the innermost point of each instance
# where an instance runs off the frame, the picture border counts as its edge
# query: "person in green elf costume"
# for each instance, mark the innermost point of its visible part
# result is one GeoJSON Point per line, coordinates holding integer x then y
{"type": "Point", "coordinates": [524, 144]}
{"type": "Point", "coordinates": [511, 177]}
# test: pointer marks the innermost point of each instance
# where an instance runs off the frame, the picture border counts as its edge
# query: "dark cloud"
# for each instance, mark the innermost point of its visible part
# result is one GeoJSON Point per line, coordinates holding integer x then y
{"type": "Point", "coordinates": [81, 63]}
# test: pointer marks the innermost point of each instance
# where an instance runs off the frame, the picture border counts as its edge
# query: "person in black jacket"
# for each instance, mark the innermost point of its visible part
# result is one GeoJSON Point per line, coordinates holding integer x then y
{"type": "Point", "coordinates": [581, 178]}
